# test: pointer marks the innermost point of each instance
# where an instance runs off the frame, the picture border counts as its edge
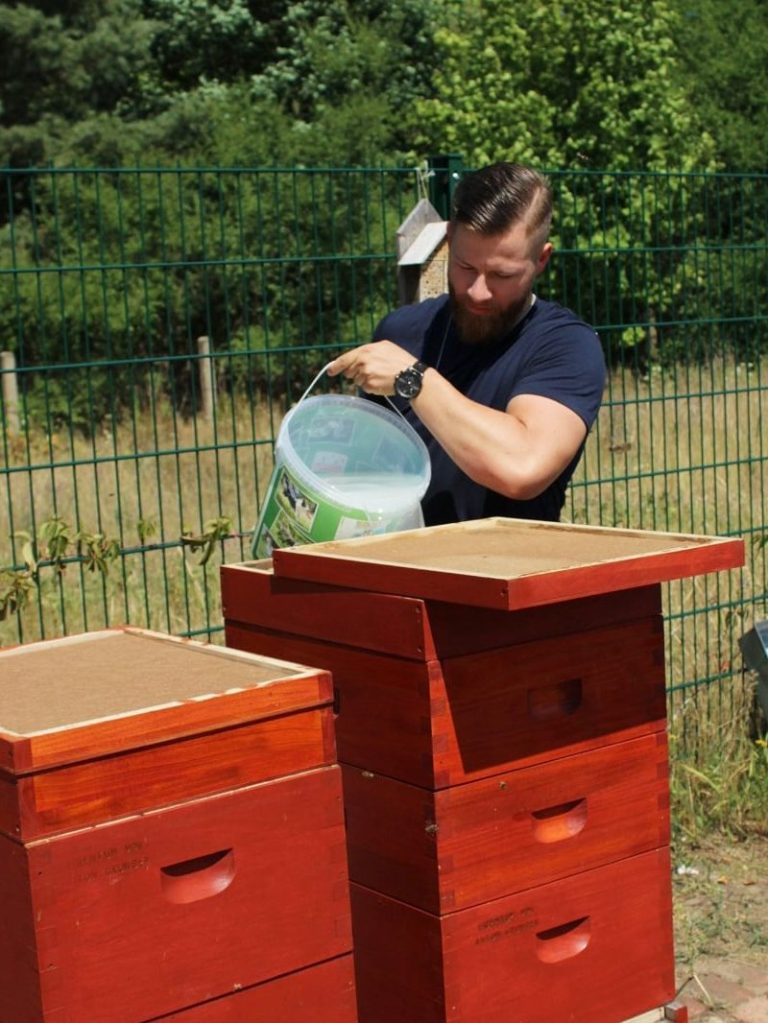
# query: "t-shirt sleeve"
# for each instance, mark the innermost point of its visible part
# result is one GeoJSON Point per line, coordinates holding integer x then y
{"type": "Point", "coordinates": [568, 366]}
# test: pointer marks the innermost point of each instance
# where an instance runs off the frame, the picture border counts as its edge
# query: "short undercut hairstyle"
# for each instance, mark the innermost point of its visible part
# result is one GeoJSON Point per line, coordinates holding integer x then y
{"type": "Point", "coordinates": [494, 198]}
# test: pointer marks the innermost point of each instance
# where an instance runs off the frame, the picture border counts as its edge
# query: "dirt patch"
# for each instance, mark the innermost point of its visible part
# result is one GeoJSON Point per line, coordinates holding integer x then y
{"type": "Point", "coordinates": [721, 901]}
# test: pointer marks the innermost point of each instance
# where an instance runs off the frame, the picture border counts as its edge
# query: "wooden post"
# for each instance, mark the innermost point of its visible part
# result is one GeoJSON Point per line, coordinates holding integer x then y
{"type": "Point", "coordinates": [10, 391]}
{"type": "Point", "coordinates": [207, 373]}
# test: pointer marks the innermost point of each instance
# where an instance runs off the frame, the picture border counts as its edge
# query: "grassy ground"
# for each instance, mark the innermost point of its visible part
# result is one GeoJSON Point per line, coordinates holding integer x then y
{"type": "Point", "coordinates": [681, 450]}
{"type": "Point", "coordinates": [720, 893]}
{"type": "Point", "coordinates": [720, 841]}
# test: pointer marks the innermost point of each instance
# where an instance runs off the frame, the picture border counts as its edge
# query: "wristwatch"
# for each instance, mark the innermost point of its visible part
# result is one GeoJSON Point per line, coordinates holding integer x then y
{"type": "Point", "coordinates": [409, 381]}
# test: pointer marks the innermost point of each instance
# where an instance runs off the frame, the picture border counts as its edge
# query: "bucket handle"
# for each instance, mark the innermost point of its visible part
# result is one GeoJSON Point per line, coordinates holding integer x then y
{"type": "Point", "coordinates": [325, 370]}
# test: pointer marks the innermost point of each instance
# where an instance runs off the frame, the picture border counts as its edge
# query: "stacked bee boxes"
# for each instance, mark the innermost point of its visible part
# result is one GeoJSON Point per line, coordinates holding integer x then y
{"type": "Point", "coordinates": [171, 836]}
{"type": "Point", "coordinates": [501, 726]}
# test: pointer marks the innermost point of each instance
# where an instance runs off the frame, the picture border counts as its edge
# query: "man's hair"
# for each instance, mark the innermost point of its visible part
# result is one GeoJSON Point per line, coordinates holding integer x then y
{"type": "Point", "coordinates": [494, 198]}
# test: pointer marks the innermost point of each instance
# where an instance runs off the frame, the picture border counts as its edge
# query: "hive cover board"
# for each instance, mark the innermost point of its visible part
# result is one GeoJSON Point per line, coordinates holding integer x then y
{"type": "Point", "coordinates": [508, 563]}
{"type": "Point", "coordinates": [97, 693]}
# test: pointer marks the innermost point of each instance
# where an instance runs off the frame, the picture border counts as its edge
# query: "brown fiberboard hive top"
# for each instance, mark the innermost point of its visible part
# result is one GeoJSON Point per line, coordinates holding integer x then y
{"type": "Point", "coordinates": [107, 674]}
{"type": "Point", "coordinates": [507, 563]}
{"type": "Point", "coordinates": [501, 552]}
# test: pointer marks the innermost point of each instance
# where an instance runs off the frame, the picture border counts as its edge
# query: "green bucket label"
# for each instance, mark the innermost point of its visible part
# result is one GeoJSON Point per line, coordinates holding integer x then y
{"type": "Point", "coordinates": [293, 514]}
{"type": "Point", "coordinates": [343, 468]}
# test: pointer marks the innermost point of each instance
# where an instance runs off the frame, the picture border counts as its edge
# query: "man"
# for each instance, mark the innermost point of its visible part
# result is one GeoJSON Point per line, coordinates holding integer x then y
{"type": "Point", "coordinates": [502, 386]}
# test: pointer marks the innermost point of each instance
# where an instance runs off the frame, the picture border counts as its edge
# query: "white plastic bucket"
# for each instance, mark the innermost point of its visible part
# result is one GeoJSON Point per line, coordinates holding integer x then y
{"type": "Point", "coordinates": [344, 467]}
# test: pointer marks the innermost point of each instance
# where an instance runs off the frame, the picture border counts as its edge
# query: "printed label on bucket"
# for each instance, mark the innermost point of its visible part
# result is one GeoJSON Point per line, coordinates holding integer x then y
{"type": "Point", "coordinates": [292, 514]}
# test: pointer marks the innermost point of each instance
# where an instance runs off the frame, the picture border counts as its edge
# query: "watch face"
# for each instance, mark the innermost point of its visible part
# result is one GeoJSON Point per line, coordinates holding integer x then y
{"type": "Point", "coordinates": [408, 383]}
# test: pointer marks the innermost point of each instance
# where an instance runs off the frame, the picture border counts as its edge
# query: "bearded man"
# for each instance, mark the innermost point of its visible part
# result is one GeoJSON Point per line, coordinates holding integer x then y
{"type": "Point", "coordinates": [502, 386]}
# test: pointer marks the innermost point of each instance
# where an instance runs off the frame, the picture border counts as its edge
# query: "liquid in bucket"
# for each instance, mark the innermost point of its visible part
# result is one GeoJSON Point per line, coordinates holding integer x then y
{"type": "Point", "coordinates": [344, 467]}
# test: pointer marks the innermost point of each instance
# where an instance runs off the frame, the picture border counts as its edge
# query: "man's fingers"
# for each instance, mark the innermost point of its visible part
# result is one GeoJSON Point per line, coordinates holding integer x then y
{"type": "Point", "coordinates": [341, 364]}
{"type": "Point", "coordinates": [372, 366]}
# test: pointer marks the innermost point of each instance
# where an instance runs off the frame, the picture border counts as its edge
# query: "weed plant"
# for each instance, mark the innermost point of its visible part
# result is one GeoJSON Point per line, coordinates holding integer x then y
{"type": "Point", "coordinates": [719, 765]}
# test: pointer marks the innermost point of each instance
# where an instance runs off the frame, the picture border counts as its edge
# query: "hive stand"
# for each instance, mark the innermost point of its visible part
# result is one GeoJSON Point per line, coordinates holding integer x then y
{"type": "Point", "coordinates": [171, 836]}
{"type": "Point", "coordinates": [501, 727]}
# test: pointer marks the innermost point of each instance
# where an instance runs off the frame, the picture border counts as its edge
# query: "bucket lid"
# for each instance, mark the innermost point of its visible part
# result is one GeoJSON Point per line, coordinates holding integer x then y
{"type": "Point", "coordinates": [341, 445]}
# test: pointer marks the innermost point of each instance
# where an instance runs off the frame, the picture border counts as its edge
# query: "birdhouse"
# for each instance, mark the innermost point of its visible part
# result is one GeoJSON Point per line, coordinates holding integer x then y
{"type": "Point", "coordinates": [422, 254]}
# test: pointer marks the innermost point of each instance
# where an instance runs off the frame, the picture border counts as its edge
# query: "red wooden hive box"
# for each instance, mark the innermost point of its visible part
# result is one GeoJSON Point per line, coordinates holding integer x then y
{"type": "Point", "coordinates": [171, 835]}
{"type": "Point", "coordinates": [501, 724]}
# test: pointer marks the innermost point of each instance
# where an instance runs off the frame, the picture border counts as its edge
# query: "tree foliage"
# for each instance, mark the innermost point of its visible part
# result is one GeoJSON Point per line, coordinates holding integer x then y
{"type": "Point", "coordinates": [117, 83]}
{"type": "Point", "coordinates": [65, 73]}
{"type": "Point", "coordinates": [722, 61]}
{"type": "Point", "coordinates": [579, 87]}
{"type": "Point", "coordinates": [588, 87]}
{"type": "Point", "coordinates": [657, 84]}
{"type": "Point", "coordinates": [576, 84]}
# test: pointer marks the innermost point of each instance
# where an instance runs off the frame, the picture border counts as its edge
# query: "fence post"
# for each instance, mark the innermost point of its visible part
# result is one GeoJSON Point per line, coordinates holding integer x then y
{"type": "Point", "coordinates": [444, 173]}
{"type": "Point", "coordinates": [207, 372]}
{"type": "Point", "coordinates": [10, 391]}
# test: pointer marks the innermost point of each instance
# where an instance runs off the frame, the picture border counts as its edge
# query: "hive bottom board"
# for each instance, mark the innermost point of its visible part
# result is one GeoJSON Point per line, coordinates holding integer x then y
{"type": "Point", "coordinates": [324, 993]}
{"type": "Point", "coordinates": [596, 947]}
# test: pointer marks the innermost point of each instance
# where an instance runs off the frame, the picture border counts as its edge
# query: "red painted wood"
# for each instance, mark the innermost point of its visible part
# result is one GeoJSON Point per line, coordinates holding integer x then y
{"type": "Point", "coordinates": [10, 811]}
{"type": "Point", "coordinates": [461, 719]}
{"type": "Point", "coordinates": [107, 788]}
{"type": "Point", "coordinates": [138, 918]}
{"type": "Point", "coordinates": [534, 675]}
{"type": "Point", "coordinates": [407, 626]}
{"type": "Point", "coordinates": [231, 690]}
{"type": "Point", "coordinates": [539, 699]}
{"type": "Point", "coordinates": [676, 1011]}
{"type": "Point", "coordinates": [508, 563]}
{"type": "Point", "coordinates": [458, 630]}
{"type": "Point", "coordinates": [323, 994]}
{"type": "Point", "coordinates": [20, 997]}
{"type": "Point", "coordinates": [467, 844]}
{"type": "Point", "coordinates": [251, 593]}
{"type": "Point", "coordinates": [594, 948]}
{"type": "Point", "coordinates": [383, 703]}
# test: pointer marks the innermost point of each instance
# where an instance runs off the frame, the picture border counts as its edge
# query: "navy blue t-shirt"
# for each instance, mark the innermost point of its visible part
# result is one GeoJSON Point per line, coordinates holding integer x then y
{"type": "Point", "coordinates": [551, 352]}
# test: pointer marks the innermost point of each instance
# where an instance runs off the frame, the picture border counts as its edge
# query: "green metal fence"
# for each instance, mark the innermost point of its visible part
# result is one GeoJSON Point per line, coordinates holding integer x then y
{"type": "Point", "coordinates": [156, 323]}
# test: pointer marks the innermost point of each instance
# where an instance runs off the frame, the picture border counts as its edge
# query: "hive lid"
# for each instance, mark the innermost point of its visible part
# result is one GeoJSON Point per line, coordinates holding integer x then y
{"type": "Point", "coordinates": [101, 692]}
{"type": "Point", "coordinates": [508, 564]}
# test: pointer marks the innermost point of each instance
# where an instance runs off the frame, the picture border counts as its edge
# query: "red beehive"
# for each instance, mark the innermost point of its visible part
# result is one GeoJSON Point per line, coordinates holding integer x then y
{"type": "Point", "coordinates": [171, 832]}
{"type": "Point", "coordinates": [501, 724]}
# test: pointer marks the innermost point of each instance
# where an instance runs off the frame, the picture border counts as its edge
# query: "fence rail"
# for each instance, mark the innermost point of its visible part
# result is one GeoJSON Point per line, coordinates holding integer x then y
{"type": "Point", "coordinates": [156, 323]}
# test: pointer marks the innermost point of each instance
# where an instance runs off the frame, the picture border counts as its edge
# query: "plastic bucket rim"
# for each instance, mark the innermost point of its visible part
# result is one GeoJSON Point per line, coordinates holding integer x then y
{"type": "Point", "coordinates": [313, 481]}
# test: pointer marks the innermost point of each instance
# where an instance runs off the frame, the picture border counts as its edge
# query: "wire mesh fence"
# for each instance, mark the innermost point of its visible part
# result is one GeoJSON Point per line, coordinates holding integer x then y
{"type": "Point", "coordinates": [157, 323]}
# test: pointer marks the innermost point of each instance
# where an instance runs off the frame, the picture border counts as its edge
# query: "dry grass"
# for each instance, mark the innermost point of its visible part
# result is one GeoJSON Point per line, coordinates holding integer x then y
{"type": "Point", "coordinates": [719, 757]}
{"type": "Point", "coordinates": [687, 451]}
{"type": "Point", "coordinates": [682, 451]}
{"type": "Point", "coordinates": [143, 482]}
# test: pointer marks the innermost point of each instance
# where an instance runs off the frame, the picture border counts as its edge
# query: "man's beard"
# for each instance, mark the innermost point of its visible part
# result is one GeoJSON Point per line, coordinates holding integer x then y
{"type": "Point", "coordinates": [483, 330]}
